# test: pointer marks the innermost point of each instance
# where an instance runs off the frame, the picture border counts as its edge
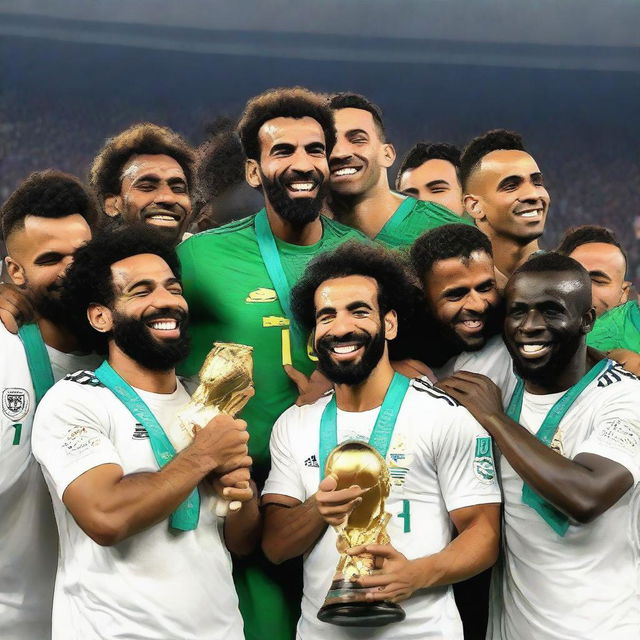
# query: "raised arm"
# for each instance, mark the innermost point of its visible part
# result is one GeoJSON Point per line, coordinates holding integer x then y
{"type": "Point", "coordinates": [582, 488]}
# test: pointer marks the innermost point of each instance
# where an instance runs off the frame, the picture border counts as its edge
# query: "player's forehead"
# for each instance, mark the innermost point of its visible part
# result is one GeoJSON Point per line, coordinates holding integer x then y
{"type": "Point", "coordinates": [499, 164]}
{"type": "Point", "coordinates": [290, 131]}
{"type": "Point", "coordinates": [39, 235]}
{"type": "Point", "coordinates": [600, 256]}
{"type": "Point", "coordinates": [535, 288]}
{"type": "Point", "coordinates": [158, 166]}
{"type": "Point", "coordinates": [429, 171]}
{"type": "Point", "coordinates": [339, 293]}
{"type": "Point", "coordinates": [352, 119]}
{"type": "Point", "coordinates": [143, 267]}
{"type": "Point", "coordinates": [461, 271]}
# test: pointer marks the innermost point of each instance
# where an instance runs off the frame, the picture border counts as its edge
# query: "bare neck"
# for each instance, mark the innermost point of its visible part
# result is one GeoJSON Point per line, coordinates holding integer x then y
{"type": "Point", "coordinates": [138, 376]}
{"type": "Point", "coordinates": [370, 211]}
{"type": "Point", "coordinates": [370, 393]}
{"type": "Point", "coordinates": [304, 236]}
{"type": "Point", "coordinates": [57, 337]}
{"type": "Point", "coordinates": [508, 254]}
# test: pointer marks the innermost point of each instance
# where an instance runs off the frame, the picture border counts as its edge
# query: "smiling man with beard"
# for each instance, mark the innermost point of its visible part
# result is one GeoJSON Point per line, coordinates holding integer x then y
{"type": "Point", "coordinates": [237, 280]}
{"type": "Point", "coordinates": [358, 301]}
{"type": "Point", "coordinates": [570, 466]}
{"type": "Point", "coordinates": [504, 192]}
{"type": "Point", "coordinates": [143, 554]}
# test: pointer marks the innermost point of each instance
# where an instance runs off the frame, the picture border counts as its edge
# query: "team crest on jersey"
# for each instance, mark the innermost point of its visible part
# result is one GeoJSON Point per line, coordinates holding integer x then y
{"type": "Point", "coordinates": [262, 294]}
{"type": "Point", "coordinates": [483, 466]}
{"type": "Point", "coordinates": [15, 403]}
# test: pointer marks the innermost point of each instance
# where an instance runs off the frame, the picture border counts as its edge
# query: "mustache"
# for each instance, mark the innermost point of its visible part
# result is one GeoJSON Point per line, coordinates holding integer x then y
{"type": "Point", "coordinates": [295, 176]}
{"type": "Point", "coordinates": [356, 337]}
{"type": "Point", "coordinates": [177, 314]}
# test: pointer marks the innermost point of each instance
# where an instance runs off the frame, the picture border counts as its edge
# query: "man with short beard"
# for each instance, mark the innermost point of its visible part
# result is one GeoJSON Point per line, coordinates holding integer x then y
{"type": "Point", "coordinates": [143, 554]}
{"type": "Point", "coordinates": [144, 174]}
{"type": "Point", "coordinates": [237, 280]}
{"type": "Point", "coordinates": [44, 221]}
{"type": "Point", "coordinates": [570, 465]}
{"type": "Point", "coordinates": [503, 190]}
{"type": "Point", "coordinates": [358, 302]}
{"type": "Point", "coordinates": [360, 195]}
{"type": "Point", "coordinates": [455, 266]}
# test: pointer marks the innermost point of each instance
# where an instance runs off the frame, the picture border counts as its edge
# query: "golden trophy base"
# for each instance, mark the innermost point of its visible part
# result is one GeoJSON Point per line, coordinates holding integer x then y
{"type": "Point", "coordinates": [345, 607]}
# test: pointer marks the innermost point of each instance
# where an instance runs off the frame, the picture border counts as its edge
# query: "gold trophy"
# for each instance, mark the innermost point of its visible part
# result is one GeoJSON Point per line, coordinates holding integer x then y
{"type": "Point", "coordinates": [357, 463]}
{"type": "Point", "coordinates": [226, 384]}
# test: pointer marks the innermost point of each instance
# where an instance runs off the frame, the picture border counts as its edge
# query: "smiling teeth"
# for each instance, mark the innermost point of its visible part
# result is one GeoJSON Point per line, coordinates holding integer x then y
{"type": "Point", "coordinates": [301, 186]}
{"type": "Point", "coordinates": [472, 324]}
{"type": "Point", "coordinates": [533, 348]}
{"type": "Point", "coordinates": [347, 171]}
{"type": "Point", "coordinates": [164, 326]}
{"type": "Point", "coordinates": [349, 348]}
{"type": "Point", "coordinates": [531, 214]}
{"type": "Point", "coordinates": [163, 217]}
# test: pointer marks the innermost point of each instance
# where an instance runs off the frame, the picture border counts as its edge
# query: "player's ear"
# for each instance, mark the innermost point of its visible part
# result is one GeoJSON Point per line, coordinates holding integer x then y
{"type": "Point", "coordinates": [388, 154]}
{"type": "Point", "coordinates": [626, 286]}
{"type": "Point", "coordinates": [113, 205]}
{"type": "Point", "coordinates": [588, 320]}
{"type": "Point", "coordinates": [252, 173]}
{"type": "Point", "coordinates": [390, 325]}
{"type": "Point", "coordinates": [473, 206]}
{"type": "Point", "coordinates": [100, 317]}
{"type": "Point", "coordinates": [15, 271]}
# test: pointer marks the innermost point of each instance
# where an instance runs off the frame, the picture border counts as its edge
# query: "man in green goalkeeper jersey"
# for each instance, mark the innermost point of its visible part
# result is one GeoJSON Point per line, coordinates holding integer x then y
{"type": "Point", "coordinates": [360, 195]}
{"type": "Point", "coordinates": [237, 278]}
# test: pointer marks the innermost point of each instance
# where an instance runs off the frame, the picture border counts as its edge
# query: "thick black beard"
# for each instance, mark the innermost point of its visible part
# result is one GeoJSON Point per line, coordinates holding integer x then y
{"type": "Point", "coordinates": [351, 373]}
{"type": "Point", "coordinates": [134, 338]}
{"type": "Point", "coordinates": [298, 212]}
{"type": "Point", "coordinates": [49, 305]}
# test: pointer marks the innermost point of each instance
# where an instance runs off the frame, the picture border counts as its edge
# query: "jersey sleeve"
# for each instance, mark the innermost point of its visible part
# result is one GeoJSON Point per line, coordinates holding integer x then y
{"type": "Point", "coordinates": [284, 477]}
{"type": "Point", "coordinates": [464, 462]}
{"type": "Point", "coordinates": [70, 434]}
{"type": "Point", "coordinates": [616, 432]}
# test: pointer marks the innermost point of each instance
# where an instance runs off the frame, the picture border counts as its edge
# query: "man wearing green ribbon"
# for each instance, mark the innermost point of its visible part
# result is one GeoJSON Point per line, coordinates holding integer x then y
{"type": "Point", "coordinates": [44, 221]}
{"type": "Point", "coordinates": [360, 194]}
{"type": "Point", "coordinates": [143, 554]}
{"type": "Point", "coordinates": [237, 280]}
{"type": "Point", "coordinates": [570, 465]}
{"type": "Point", "coordinates": [358, 300]}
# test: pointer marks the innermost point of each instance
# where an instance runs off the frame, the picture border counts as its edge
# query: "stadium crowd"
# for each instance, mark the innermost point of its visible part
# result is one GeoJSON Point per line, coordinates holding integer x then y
{"type": "Point", "coordinates": [273, 386]}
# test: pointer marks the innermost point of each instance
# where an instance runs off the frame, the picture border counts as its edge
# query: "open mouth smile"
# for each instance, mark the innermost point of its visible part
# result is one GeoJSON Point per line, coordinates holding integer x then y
{"type": "Point", "coordinates": [345, 172]}
{"type": "Point", "coordinates": [534, 350]}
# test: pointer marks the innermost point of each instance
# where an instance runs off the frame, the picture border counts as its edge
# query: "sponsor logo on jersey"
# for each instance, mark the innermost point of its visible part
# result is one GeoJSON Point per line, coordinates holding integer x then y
{"type": "Point", "coordinates": [139, 432]}
{"type": "Point", "coordinates": [397, 468]}
{"type": "Point", "coordinates": [483, 466]}
{"type": "Point", "coordinates": [15, 403]}
{"type": "Point", "coordinates": [311, 461]}
{"type": "Point", "coordinates": [262, 295]}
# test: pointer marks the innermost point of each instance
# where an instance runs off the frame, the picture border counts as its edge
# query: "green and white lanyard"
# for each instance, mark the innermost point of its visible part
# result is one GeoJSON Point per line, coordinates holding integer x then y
{"type": "Point", "coordinates": [554, 518]}
{"type": "Point", "coordinates": [186, 516]}
{"type": "Point", "coordinates": [37, 359]}
{"type": "Point", "coordinates": [382, 432]}
{"type": "Point", "coordinates": [271, 258]}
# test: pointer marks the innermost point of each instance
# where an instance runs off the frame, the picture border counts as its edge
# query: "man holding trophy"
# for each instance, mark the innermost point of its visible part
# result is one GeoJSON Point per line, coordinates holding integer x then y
{"type": "Point", "coordinates": [389, 463]}
{"type": "Point", "coordinates": [143, 553]}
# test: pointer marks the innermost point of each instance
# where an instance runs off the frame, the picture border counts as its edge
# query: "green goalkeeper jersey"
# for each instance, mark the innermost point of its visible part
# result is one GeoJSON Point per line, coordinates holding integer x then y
{"type": "Point", "coordinates": [618, 328]}
{"type": "Point", "coordinates": [232, 299]}
{"type": "Point", "coordinates": [412, 218]}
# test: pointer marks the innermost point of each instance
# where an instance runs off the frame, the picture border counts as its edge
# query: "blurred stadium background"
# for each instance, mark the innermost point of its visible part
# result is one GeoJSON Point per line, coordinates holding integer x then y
{"type": "Point", "coordinates": [564, 73]}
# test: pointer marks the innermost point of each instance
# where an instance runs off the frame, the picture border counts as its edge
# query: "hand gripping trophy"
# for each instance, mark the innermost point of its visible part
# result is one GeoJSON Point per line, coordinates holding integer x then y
{"type": "Point", "coordinates": [357, 463]}
{"type": "Point", "coordinates": [226, 384]}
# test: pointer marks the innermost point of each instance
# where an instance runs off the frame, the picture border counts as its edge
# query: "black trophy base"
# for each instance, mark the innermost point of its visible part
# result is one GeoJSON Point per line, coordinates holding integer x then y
{"type": "Point", "coordinates": [342, 609]}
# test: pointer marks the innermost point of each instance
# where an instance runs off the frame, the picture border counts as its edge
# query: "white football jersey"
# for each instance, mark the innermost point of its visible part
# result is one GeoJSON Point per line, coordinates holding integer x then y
{"type": "Point", "coordinates": [157, 584]}
{"type": "Point", "coordinates": [584, 585]}
{"type": "Point", "coordinates": [438, 462]}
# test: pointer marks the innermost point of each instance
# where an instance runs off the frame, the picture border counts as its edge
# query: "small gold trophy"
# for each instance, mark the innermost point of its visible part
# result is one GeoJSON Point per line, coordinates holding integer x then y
{"type": "Point", "coordinates": [357, 463]}
{"type": "Point", "coordinates": [226, 384]}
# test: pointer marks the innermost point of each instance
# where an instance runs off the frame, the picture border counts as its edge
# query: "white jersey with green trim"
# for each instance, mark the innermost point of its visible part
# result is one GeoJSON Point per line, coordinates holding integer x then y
{"type": "Point", "coordinates": [584, 585]}
{"type": "Point", "coordinates": [156, 584]}
{"type": "Point", "coordinates": [493, 361]}
{"type": "Point", "coordinates": [27, 528]}
{"type": "Point", "coordinates": [439, 460]}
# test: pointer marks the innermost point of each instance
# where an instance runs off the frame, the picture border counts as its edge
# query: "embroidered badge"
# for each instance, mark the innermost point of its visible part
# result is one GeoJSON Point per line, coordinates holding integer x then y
{"type": "Point", "coordinates": [483, 466]}
{"type": "Point", "coordinates": [262, 295]}
{"type": "Point", "coordinates": [15, 403]}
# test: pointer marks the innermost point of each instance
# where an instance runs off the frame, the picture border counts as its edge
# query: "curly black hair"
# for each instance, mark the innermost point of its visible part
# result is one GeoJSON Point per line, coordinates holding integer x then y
{"type": "Point", "coordinates": [144, 138]}
{"type": "Point", "coordinates": [47, 194]}
{"type": "Point", "coordinates": [494, 140]}
{"type": "Point", "coordinates": [575, 237]}
{"type": "Point", "coordinates": [447, 241]}
{"type": "Point", "coordinates": [423, 151]}
{"type": "Point", "coordinates": [397, 288]}
{"type": "Point", "coordinates": [295, 102]}
{"type": "Point", "coordinates": [89, 279]}
{"type": "Point", "coordinates": [357, 101]}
